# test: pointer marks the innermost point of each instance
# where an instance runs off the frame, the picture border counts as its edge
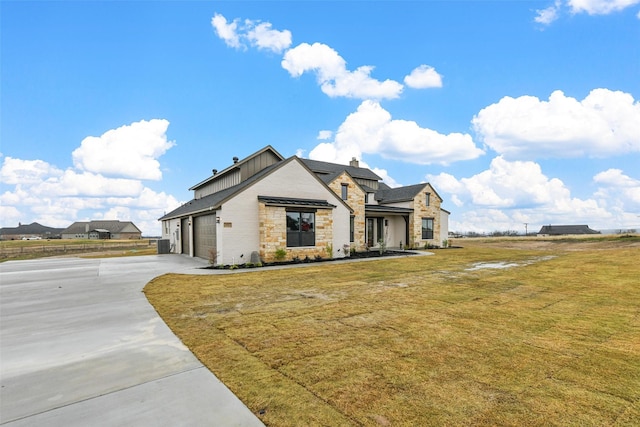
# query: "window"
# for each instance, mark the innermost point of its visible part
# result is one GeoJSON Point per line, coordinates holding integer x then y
{"type": "Point", "coordinates": [428, 199]}
{"type": "Point", "coordinates": [352, 226]}
{"type": "Point", "coordinates": [427, 228]}
{"type": "Point", "coordinates": [345, 188]}
{"type": "Point", "coordinates": [301, 228]}
{"type": "Point", "coordinates": [366, 198]}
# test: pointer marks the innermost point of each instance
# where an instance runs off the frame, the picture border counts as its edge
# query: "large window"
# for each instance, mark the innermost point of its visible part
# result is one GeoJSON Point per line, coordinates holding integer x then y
{"type": "Point", "coordinates": [427, 228]}
{"type": "Point", "coordinates": [301, 228]}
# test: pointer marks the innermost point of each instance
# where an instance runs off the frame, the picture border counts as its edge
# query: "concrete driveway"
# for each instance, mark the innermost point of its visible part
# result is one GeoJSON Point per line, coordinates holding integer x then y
{"type": "Point", "coordinates": [80, 345]}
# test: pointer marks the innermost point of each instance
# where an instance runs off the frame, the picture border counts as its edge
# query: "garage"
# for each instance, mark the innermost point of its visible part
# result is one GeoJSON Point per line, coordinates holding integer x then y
{"type": "Point", "coordinates": [184, 225]}
{"type": "Point", "coordinates": [204, 235]}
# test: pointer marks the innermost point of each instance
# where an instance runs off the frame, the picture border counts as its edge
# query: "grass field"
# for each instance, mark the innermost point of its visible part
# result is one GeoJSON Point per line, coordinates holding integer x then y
{"type": "Point", "coordinates": [554, 339]}
{"type": "Point", "coordinates": [30, 249]}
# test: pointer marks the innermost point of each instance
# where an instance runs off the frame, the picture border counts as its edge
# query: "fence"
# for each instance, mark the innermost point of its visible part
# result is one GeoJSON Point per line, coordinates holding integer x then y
{"type": "Point", "coordinates": [8, 251]}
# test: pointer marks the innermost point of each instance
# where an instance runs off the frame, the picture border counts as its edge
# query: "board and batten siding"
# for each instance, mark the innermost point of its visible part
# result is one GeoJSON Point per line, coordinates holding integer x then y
{"type": "Point", "coordinates": [239, 225]}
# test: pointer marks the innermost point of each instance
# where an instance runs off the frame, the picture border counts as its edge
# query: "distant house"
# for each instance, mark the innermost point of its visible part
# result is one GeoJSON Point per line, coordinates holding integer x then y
{"type": "Point", "coordinates": [101, 230]}
{"type": "Point", "coordinates": [266, 204]}
{"type": "Point", "coordinates": [29, 231]}
{"type": "Point", "coordinates": [563, 230]}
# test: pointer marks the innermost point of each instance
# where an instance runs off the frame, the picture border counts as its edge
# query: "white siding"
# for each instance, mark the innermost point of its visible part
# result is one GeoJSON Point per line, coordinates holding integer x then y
{"type": "Point", "coordinates": [239, 225]}
{"type": "Point", "coordinates": [171, 231]}
{"type": "Point", "coordinates": [444, 226]}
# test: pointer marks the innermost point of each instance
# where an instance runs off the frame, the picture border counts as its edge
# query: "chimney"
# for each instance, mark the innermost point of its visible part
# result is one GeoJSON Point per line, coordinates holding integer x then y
{"type": "Point", "coordinates": [235, 160]}
{"type": "Point", "coordinates": [86, 228]}
{"type": "Point", "coordinates": [354, 162]}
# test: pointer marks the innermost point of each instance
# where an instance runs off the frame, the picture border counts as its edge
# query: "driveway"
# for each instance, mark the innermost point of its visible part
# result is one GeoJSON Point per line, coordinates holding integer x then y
{"type": "Point", "coordinates": [80, 345]}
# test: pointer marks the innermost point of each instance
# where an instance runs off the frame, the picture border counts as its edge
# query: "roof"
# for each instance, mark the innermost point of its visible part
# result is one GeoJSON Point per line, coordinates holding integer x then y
{"type": "Point", "coordinates": [112, 226]}
{"type": "Point", "coordinates": [387, 209]}
{"type": "Point", "coordinates": [215, 200]}
{"type": "Point", "coordinates": [328, 171]}
{"type": "Point", "coordinates": [402, 194]}
{"type": "Point", "coordinates": [566, 229]}
{"type": "Point", "coordinates": [33, 228]}
{"type": "Point", "coordinates": [236, 165]}
{"type": "Point", "coordinates": [288, 201]}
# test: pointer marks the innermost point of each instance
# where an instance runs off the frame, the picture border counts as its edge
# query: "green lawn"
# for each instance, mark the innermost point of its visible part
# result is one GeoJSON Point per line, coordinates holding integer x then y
{"type": "Point", "coordinates": [424, 340]}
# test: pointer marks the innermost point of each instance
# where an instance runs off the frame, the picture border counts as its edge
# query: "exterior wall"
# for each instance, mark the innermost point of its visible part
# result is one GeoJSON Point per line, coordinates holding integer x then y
{"type": "Point", "coordinates": [444, 226]}
{"type": "Point", "coordinates": [273, 234]}
{"type": "Point", "coordinates": [355, 200]}
{"type": "Point", "coordinates": [420, 210]}
{"type": "Point", "coordinates": [239, 228]}
{"type": "Point", "coordinates": [229, 180]}
{"type": "Point", "coordinates": [171, 231]}
{"type": "Point", "coordinates": [75, 236]}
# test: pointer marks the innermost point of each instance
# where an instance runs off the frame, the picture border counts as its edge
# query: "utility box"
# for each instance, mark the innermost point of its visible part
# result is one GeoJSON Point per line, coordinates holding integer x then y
{"type": "Point", "coordinates": [164, 246]}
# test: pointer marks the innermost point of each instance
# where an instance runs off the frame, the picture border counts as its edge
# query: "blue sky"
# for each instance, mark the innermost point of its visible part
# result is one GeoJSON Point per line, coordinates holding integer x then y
{"type": "Point", "coordinates": [516, 111]}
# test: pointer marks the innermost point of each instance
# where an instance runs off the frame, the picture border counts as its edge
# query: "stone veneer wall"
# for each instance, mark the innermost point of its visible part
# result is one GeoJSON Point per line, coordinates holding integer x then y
{"type": "Point", "coordinates": [420, 210]}
{"type": "Point", "coordinates": [273, 234]}
{"type": "Point", "coordinates": [355, 200]}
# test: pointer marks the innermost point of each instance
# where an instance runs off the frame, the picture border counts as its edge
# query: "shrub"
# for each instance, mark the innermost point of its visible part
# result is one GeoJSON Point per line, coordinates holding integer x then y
{"type": "Point", "coordinates": [329, 249]}
{"type": "Point", "coordinates": [280, 254]}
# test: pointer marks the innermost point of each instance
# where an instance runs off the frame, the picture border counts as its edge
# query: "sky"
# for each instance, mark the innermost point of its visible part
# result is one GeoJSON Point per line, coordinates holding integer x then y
{"type": "Point", "coordinates": [519, 113]}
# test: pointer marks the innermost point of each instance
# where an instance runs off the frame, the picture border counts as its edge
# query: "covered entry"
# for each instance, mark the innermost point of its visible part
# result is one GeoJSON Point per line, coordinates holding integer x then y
{"type": "Point", "coordinates": [387, 223]}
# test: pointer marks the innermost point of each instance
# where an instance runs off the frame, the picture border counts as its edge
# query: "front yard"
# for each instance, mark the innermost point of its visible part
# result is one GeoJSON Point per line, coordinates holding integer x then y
{"type": "Point", "coordinates": [450, 339]}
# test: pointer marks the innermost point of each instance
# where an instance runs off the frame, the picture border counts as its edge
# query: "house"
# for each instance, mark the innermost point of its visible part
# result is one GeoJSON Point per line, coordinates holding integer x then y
{"type": "Point", "coordinates": [266, 203]}
{"type": "Point", "coordinates": [100, 230]}
{"type": "Point", "coordinates": [29, 231]}
{"type": "Point", "coordinates": [562, 230]}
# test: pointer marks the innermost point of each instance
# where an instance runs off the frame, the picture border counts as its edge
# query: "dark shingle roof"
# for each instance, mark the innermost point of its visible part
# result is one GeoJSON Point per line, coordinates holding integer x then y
{"type": "Point", "coordinates": [325, 170]}
{"type": "Point", "coordinates": [399, 194]}
{"type": "Point", "coordinates": [33, 228]}
{"type": "Point", "coordinates": [113, 226]}
{"type": "Point", "coordinates": [558, 230]}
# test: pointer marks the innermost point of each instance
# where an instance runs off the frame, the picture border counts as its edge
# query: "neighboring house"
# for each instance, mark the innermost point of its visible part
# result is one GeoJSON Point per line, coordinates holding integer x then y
{"type": "Point", "coordinates": [29, 231]}
{"type": "Point", "coordinates": [95, 230]}
{"type": "Point", "coordinates": [266, 203]}
{"type": "Point", "coordinates": [562, 230]}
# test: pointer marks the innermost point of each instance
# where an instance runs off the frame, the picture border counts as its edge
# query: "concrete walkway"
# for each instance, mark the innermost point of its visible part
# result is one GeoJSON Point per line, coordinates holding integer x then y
{"type": "Point", "coordinates": [80, 345]}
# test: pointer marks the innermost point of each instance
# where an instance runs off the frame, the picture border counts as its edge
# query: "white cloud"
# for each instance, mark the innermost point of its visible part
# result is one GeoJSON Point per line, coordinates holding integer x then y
{"type": "Point", "coordinates": [592, 7]}
{"type": "Point", "coordinates": [324, 135]}
{"type": "Point", "coordinates": [38, 191]}
{"type": "Point", "coordinates": [605, 123]}
{"type": "Point", "coordinates": [600, 7]}
{"type": "Point", "coordinates": [333, 76]}
{"type": "Point", "coordinates": [548, 15]}
{"type": "Point", "coordinates": [18, 171]}
{"type": "Point", "coordinates": [86, 184]}
{"type": "Point", "coordinates": [257, 34]}
{"type": "Point", "coordinates": [129, 151]}
{"type": "Point", "coordinates": [619, 191]}
{"type": "Point", "coordinates": [384, 174]}
{"type": "Point", "coordinates": [423, 77]}
{"type": "Point", "coordinates": [263, 37]}
{"type": "Point", "coordinates": [226, 31]}
{"type": "Point", "coordinates": [372, 130]}
{"type": "Point", "coordinates": [511, 193]}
